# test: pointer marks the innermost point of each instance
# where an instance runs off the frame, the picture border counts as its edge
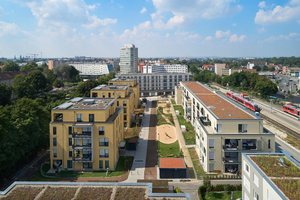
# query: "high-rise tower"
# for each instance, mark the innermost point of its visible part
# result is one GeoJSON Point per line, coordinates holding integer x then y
{"type": "Point", "coordinates": [128, 59]}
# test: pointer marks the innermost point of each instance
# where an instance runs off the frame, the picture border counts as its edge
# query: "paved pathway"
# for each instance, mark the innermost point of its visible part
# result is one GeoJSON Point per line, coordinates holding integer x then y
{"type": "Point", "coordinates": [138, 168]}
{"type": "Point", "coordinates": [187, 159]}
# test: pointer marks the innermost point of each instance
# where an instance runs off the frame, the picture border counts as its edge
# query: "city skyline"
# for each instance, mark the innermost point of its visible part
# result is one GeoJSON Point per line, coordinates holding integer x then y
{"type": "Point", "coordinates": [215, 28]}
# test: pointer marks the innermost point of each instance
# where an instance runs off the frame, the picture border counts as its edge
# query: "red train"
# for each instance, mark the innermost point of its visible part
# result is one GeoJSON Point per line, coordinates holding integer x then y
{"type": "Point", "coordinates": [249, 104]}
{"type": "Point", "coordinates": [291, 109]}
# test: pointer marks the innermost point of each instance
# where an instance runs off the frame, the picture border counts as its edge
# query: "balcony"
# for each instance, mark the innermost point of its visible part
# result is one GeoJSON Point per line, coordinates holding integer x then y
{"type": "Point", "coordinates": [205, 121]}
{"type": "Point", "coordinates": [81, 147]}
{"type": "Point", "coordinates": [83, 134]}
{"type": "Point", "coordinates": [58, 117]}
{"type": "Point", "coordinates": [85, 158]}
{"type": "Point", "coordinates": [229, 160]}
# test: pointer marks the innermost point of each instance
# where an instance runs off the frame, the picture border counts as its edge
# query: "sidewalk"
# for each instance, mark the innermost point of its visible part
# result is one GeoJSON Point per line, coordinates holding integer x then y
{"type": "Point", "coordinates": [187, 159]}
{"type": "Point", "coordinates": [138, 168]}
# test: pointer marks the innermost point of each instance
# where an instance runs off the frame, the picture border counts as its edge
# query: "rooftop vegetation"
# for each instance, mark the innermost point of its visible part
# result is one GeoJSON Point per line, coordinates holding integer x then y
{"type": "Point", "coordinates": [289, 187]}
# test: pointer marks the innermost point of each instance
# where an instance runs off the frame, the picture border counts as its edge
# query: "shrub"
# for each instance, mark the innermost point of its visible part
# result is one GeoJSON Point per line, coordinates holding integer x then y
{"type": "Point", "coordinates": [177, 190]}
{"type": "Point", "coordinates": [201, 190]}
{"type": "Point", "coordinates": [206, 181]}
{"type": "Point", "coordinates": [219, 187]}
{"type": "Point", "coordinates": [226, 189]}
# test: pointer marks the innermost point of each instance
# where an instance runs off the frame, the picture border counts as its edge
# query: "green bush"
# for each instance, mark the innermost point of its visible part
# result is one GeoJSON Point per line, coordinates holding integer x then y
{"type": "Point", "coordinates": [201, 190]}
{"type": "Point", "coordinates": [177, 190]}
{"type": "Point", "coordinates": [219, 187]}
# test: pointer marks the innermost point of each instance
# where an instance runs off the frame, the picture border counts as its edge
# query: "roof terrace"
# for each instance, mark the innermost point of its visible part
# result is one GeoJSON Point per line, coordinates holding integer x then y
{"type": "Point", "coordinates": [86, 103]}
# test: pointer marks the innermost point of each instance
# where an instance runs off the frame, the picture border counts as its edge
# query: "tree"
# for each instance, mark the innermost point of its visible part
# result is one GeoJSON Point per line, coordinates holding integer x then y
{"type": "Point", "coordinates": [29, 66]}
{"type": "Point", "coordinates": [44, 66]}
{"type": "Point", "coordinates": [22, 88]}
{"type": "Point", "coordinates": [62, 72]}
{"type": "Point", "coordinates": [290, 97]}
{"type": "Point", "coordinates": [265, 68]}
{"type": "Point", "coordinates": [118, 68]}
{"type": "Point", "coordinates": [50, 75]}
{"type": "Point", "coordinates": [38, 81]}
{"type": "Point", "coordinates": [5, 94]}
{"type": "Point", "coordinates": [83, 88]}
{"type": "Point", "coordinates": [58, 84]}
{"type": "Point", "coordinates": [271, 69]}
{"type": "Point", "coordinates": [10, 66]}
{"type": "Point", "coordinates": [258, 68]}
{"type": "Point", "coordinates": [73, 74]}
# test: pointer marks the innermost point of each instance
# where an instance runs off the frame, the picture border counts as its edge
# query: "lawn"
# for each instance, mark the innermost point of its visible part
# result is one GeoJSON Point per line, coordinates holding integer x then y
{"type": "Point", "coordinates": [181, 111]}
{"type": "Point", "coordinates": [120, 170]}
{"type": "Point", "coordinates": [196, 162]}
{"type": "Point", "coordinates": [160, 119]}
{"type": "Point", "coordinates": [293, 141]}
{"type": "Point", "coordinates": [173, 101]}
{"type": "Point", "coordinates": [169, 150]}
{"type": "Point", "coordinates": [133, 131]}
{"type": "Point", "coordinates": [182, 121]}
{"type": "Point", "coordinates": [221, 195]}
{"type": "Point", "coordinates": [189, 135]}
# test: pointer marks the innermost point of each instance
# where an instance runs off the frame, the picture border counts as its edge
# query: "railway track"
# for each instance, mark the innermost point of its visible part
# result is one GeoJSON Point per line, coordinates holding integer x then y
{"type": "Point", "coordinates": [281, 126]}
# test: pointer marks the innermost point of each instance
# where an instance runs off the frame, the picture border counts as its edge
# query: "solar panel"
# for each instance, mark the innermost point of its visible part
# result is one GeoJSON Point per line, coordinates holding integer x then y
{"type": "Point", "coordinates": [65, 105]}
{"type": "Point", "coordinates": [76, 99]}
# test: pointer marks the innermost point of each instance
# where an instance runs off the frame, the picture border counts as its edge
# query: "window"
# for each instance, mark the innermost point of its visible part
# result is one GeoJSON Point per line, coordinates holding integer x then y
{"type": "Point", "coordinates": [117, 103]}
{"type": "Point", "coordinates": [109, 94]}
{"type": "Point", "coordinates": [219, 128]}
{"type": "Point", "coordinates": [88, 165]}
{"type": "Point", "coordinates": [255, 180]}
{"type": "Point", "coordinates": [247, 169]}
{"type": "Point", "coordinates": [119, 95]}
{"type": "Point", "coordinates": [125, 124]}
{"type": "Point", "coordinates": [125, 110]}
{"type": "Point", "coordinates": [204, 151]}
{"type": "Point", "coordinates": [70, 164]}
{"type": "Point", "coordinates": [125, 117]}
{"type": "Point", "coordinates": [70, 130]}
{"type": "Point", "coordinates": [101, 130]}
{"type": "Point", "coordinates": [91, 117]}
{"type": "Point", "coordinates": [246, 184]}
{"type": "Point", "coordinates": [70, 153]}
{"type": "Point", "coordinates": [269, 144]}
{"type": "Point", "coordinates": [106, 164]}
{"type": "Point", "coordinates": [54, 142]}
{"type": "Point", "coordinates": [100, 164]}
{"type": "Point", "coordinates": [55, 153]}
{"type": "Point", "coordinates": [94, 94]}
{"type": "Point", "coordinates": [104, 153]}
{"type": "Point", "coordinates": [70, 141]}
{"type": "Point", "coordinates": [103, 142]}
{"type": "Point", "coordinates": [246, 196]}
{"type": "Point", "coordinates": [211, 155]}
{"type": "Point", "coordinates": [124, 103]}
{"type": "Point", "coordinates": [255, 195]}
{"type": "Point", "coordinates": [211, 167]}
{"type": "Point", "coordinates": [54, 130]}
{"type": "Point", "coordinates": [242, 128]}
{"type": "Point", "coordinates": [103, 94]}
{"type": "Point", "coordinates": [211, 144]}
{"type": "Point", "coordinates": [79, 117]}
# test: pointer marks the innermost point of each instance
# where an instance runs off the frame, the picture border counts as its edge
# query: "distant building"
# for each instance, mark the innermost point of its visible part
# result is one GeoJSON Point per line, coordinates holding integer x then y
{"type": "Point", "coordinates": [293, 71]}
{"type": "Point", "coordinates": [115, 63]}
{"type": "Point", "coordinates": [218, 68]}
{"type": "Point", "coordinates": [249, 70]}
{"type": "Point", "coordinates": [269, 176]}
{"type": "Point", "coordinates": [53, 63]}
{"type": "Point", "coordinates": [209, 67]}
{"type": "Point", "coordinates": [165, 68]}
{"type": "Point", "coordinates": [227, 72]}
{"type": "Point", "coordinates": [128, 59]}
{"type": "Point", "coordinates": [93, 67]}
{"type": "Point", "coordinates": [250, 65]}
{"type": "Point", "coordinates": [8, 77]}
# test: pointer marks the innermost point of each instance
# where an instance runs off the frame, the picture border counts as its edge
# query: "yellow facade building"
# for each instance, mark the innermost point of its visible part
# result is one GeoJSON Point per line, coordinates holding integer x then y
{"type": "Point", "coordinates": [85, 133]}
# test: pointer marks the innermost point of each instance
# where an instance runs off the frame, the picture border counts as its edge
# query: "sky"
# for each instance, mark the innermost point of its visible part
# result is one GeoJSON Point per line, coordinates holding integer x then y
{"type": "Point", "coordinates": [159, 28]}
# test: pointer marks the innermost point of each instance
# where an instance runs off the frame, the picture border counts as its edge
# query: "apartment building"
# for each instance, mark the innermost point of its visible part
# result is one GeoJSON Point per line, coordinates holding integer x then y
{"type": "Point", "coordinates": [53, 63]}
{"type": "Point", "coordinates": [224, 129]}
{"type": "Point", "coordinates": [100, 68]}
{"type": "Point", "coordinates": [85, 134]}
{"type": "Point", "coordinates": [128, 59]}
{"type": "Point", "coordinates": [157, 84]}
{"type": "Point", "coordinates": [218, 68]}
{"type": "Point", "coordinates": [125, 97]}
{"type": "Point", "coordinates": [165, 68]}
{"type": "Point", "coordinates": [270, 176]}
{"type": "Point", "coordinates": [227, 72]}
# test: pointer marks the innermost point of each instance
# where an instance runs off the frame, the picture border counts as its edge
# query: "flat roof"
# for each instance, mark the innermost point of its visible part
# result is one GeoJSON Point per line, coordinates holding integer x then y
{"type": "Point", "coordinates": [222, 108]}
{"type": "Point", "coordinates": [171, 163]}
{"type": "Point", "coordinates": [122, 79]}
{"type": "Point", "coordinates": [111, 87]}
{"type": "Point", "coordinates": [86, 103]}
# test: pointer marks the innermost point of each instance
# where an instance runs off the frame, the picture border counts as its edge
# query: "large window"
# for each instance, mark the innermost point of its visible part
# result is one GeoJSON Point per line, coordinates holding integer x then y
{"type": "Point", "coordinates": [70, 130]}
{"type": "Point", "coordinates": [103, 142]}
{"type": "Point", "coordinates": [91, 117]}
{"type": "Point", "coordinates": [103, 94]}
{"type": "Point", "coordinates": [246, 184]}
{"type": "Point", "coordinates": [119, 95]}
{"type": "Point", "coordinates": [104, 153]}
{"type": "Point", "coordinates": [211, 167]}
{"type": "Point", "coordinates": [106, 164]}
{"type": "Point", "coordinates": [125, 110]}
{"type": "Point", "coordinates": [54, 130]}
{"type": "Point", "coordinates": [269, 144]}
{"type": "Point", "coordinates": [101, 130]}
{"type": "Point", "coordinates": [125, 117]}
{"type": "Point", "coordinates": [70, 164]}
{"type": "Point", "coordinates": [242, 128]}
{"type": "Point", "coordinates": [88, 165]}
{"type": "Point", "coordinates": [255, 195]}
{"type": "Point", "coordinates": [211, 143]}
{"type": "Point", "coordinates": [124, 103]}
{"type": "Point", "coordinates": [54, 142]}
{"type": "Point", "coordinates": [246, 168]}
{"type": "Point", "coordinates": [100, 164]}
{"type": "Point", "coordinates": [211, 155]}
{"type": "Point", "coordinates": [70, 141]}
{"type": "Point", "coordinates": [70, 153]}
{"type": "Point", "coordinates": [79, 117]}
{"type": "Point", "coordinates": [255, 180]}
{"type": "Point", "coordinates": [55, 153]}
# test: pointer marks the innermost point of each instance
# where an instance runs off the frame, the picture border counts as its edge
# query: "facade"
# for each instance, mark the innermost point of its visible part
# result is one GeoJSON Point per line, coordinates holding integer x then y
{"type": "Point", "coordinates": [224, 129]}
{"type": "Point", "coordinates": [128, 59]}
{"type": "Point", "coordinates": [227, 72]}
{"type": "Point", "coordinates": [85, 134]}
{"type": "Point", "coordinates": [97, 68]}
{"type": "Point", "coordinates": [157, 84]}
{"type": "Point", "coordinates": [178, 95]}
{"type": "Point", "coordinates": [261, 184]}
{"type": "Point", "coordinates": [53, 63]}
{"type": "Point", "coordinates": [165, 68]}
{"type": "Point", "coordinates": [218, 68]}
{"type": "Point", "coordinates": [250, 65]}
{"type": "Point", "coordinates": [125, 97]}
{"type": "Point", "coordinates": [209, 67]}
{"type": "Point", "coordinates": [114, 63]}
{"type": "Point", "coordinates": [172, 168]}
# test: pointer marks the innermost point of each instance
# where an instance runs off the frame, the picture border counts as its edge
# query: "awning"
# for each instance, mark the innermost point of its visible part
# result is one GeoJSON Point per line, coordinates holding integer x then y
{"type": "Point", "coordinates": [122, 144]}
{"type": "Point", "coordinates": [83, 124]}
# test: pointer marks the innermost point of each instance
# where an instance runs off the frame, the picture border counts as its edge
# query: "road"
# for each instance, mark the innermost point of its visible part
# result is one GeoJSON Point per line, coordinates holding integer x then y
{"type": "Point", "coordinates": [287, 83]}
{"type": "Point", "coordinates": [283, 146]}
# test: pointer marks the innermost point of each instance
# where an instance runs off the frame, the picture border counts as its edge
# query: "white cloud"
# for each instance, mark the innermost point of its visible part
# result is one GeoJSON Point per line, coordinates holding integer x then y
{"type": "Point", "coordinates": [2, 11]}
{"type": "Point", "coordinates": [234, 24]}
{"type": "Point", "coordinates": [138, 31]}
{"type": "Point", "coordinates": [143, 10]}
{"type": "Point", "coordinates": [208, 38]}
{"type": "Point", "coordinates": [185, 11]}
{"type": "Point", "coordinates": [195, 36]}
{"type": "Point", "coordinates": [279, 14]}
{"type": "Point", "coordinates": [235, 38]}
{"type": "Point", "coordinates": [220, 34]}
{"type": "Point", "coordinates": [95, 22]}
{"type": "Point", "coordinates": [282, 37]}
{"type": "Point", "coordinates": [261, 30]}
{"type": "Point", "coordinates": [262, 4]}
{"type": "Point", "coordinates": [8, 28]}
{"type": "Point", "coordinates": [167, 35]}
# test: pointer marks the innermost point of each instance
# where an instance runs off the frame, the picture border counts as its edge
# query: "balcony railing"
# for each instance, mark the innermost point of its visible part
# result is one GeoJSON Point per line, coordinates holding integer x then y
{"type": "Point", "coordinates": [79, 147]}
{"type": "Point", "coordinates": [82, 134]}
{"type": "Point", "coordinates": [230, 160]}
{"type": "Point", "coordinates": [230, 147]}
{"type": "Point", "coordinates": [85, 158]}
{"type": "Point", "coordinates": [205, 122]}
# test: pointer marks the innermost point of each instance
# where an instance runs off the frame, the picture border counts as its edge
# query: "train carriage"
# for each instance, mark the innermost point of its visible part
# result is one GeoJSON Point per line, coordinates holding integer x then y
{"type": "Point", "coordinates": [291, 109]}
{"type": "Point", "coordinates": [249, 104]}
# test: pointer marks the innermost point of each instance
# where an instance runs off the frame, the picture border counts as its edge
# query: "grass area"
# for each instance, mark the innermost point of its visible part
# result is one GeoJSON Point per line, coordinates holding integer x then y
{"type": "Point", "coordinates": [178, 107]}
{"type": "Point", "coordinates": [173, 101]}
{"type": "Point", "coordinates": [293, 141]}
{"type": "Point", "coordinates": [189, 137]}
{"type": "Point", "coordinates": [133, 131]}
{"type": "Point", "coordinates": [124, 164]}
{"type": "Point", "coordinates": [182, 121]}
{"type": "Point", "coordinates": [221, 195]}
{"type": "Point", "coordinates": [160, 119]}
{"type": "Point", "coordinates": [289, 187]}
{"type": "Point", "coordinates": [196, 162]}
{"type": "Point", "coordinates": [169, 150]}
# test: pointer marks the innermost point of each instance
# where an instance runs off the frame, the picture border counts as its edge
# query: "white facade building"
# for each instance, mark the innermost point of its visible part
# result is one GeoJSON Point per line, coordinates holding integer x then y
{"type": "Point", "coordinates": [128, 59]}
{"type": "Point", "coordinates": [93, 67]}
{"type": "Point", "coordinates": [165, 68]}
